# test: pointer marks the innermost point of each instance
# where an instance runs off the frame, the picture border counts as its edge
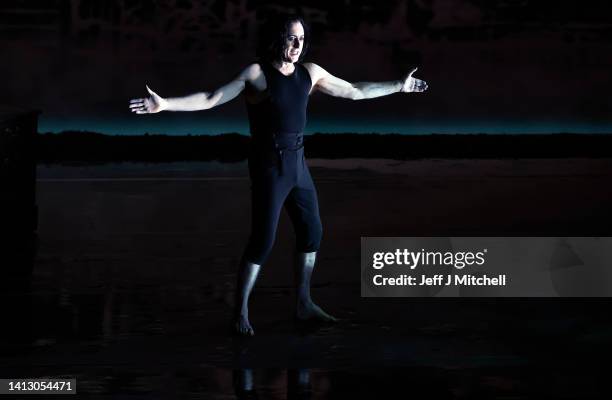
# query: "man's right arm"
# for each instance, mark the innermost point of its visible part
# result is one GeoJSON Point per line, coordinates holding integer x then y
{"type": "Point", "coordinates": [196, 101]}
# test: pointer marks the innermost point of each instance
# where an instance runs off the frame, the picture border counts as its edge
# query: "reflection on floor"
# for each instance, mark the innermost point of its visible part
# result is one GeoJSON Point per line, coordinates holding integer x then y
{"type": "Point", "coordinates": [131, 282]}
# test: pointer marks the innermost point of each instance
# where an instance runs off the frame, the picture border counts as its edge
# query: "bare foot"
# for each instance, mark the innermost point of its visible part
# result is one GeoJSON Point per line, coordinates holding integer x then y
{"type": "Point", "coordinates": [311, 311]}
{"type": "Point", "coordinates": [243, 326]}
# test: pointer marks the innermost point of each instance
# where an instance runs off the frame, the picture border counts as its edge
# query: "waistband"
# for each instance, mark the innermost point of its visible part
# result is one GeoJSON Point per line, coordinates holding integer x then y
{"type": "Point", "coordinates": [280, 141]}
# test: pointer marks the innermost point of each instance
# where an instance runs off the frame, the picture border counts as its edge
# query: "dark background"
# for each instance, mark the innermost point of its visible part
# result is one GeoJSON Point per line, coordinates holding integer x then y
{"type": "Point", "coordinates": [493, 66]}
{"type": "Point", "coordinates": [127, 285]}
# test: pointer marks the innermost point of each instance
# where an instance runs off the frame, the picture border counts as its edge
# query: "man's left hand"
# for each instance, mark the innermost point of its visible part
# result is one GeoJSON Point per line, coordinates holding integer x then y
{"type": "Point", "coordinates": [413, 84]}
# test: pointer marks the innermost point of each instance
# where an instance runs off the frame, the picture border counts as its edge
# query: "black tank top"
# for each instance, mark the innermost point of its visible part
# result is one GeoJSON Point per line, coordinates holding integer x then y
{"type": "Point", "coordinates": [283, 110]}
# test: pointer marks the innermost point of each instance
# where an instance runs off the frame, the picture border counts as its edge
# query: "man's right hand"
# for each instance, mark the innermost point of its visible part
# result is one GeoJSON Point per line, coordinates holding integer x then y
{"type": "Point", "coordinates": [149, 105]}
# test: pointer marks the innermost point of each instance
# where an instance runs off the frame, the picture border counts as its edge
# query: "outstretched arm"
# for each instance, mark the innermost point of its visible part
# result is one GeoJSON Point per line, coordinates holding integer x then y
{"type": "Point", "coordinates": [197, 101]}
{"type": "Point", "coordinates": [334, 86]}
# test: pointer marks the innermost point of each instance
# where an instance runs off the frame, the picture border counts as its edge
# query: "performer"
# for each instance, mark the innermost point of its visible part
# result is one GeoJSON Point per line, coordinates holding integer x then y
{"type": "Point", "coordinates": [276, 89]}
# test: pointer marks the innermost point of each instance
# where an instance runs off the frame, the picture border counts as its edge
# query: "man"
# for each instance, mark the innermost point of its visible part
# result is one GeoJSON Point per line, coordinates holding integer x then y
{"type": "Point", "coordinates": [277, 89]}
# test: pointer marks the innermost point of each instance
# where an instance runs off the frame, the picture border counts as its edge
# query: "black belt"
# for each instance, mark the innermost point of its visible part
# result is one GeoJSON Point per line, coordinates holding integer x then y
{"type": "Point", "coordinates": [280, 142]}
{"type": "Point", "coordinates": [284, 141]}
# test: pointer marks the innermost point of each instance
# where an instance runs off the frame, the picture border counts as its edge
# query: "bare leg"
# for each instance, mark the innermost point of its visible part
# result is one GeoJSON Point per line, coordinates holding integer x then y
{"type": "Point", "coordinates": [243, 381]}
{"type": "Point", "coordinates": [306, 309]}
{"type": "Point", "coordinates": [247, 275]}
{"type": "Point", "coordinates": [298, 384]}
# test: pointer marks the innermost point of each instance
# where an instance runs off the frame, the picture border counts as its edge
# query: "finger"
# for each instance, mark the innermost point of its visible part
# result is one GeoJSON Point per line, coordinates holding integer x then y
{"type": "Point", "coordinates": [152, 93]}
{"type": "Point", "coordinates": [421, 84]}
{"type": "Point", "coordinates": [141, 112]}
{"type": "Point", "coordinates": [136, 105]}
{"type": "Point", "coordinates": [137, 100]}
{"type": "Point", "coordinates": [412, 71]}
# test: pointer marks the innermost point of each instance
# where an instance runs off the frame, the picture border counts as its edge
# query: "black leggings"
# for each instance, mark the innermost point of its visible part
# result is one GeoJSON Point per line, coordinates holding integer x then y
{"type": "Point", "coordinates": [280, 176]}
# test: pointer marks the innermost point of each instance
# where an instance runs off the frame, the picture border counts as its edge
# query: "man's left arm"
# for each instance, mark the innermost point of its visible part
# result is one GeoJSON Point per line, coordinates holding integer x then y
{"type": "Point", "coordinates": [334, 86]}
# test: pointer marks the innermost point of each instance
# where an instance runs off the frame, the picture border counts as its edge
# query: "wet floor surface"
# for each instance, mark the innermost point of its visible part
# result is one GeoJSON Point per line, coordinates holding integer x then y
{"type": "Point", "coordinates": [132, 285]}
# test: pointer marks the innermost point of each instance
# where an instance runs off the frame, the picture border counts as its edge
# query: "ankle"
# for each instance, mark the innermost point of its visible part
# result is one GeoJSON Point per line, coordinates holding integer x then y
{"type": "Point", "coordinates": [304, 302]}
{"type": "Point", "coordinates": [241, 313]}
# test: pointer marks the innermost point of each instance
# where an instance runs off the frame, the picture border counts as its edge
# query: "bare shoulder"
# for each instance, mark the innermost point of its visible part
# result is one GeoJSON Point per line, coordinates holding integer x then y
{"type": "Point", "coordinates": [310, 66]}
{"type": "Point", "coordinates": [251, 73]}
{"type": "Point", "coordinates": [316, 72]}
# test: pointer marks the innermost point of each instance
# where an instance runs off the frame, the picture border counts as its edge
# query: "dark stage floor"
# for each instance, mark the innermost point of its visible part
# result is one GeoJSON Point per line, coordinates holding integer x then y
{"type": "Point", "coordinates": [133, 275]}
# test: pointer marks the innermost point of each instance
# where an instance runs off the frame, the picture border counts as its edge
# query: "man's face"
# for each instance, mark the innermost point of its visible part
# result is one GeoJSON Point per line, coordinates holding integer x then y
{"type": "Point", "coordinates": [294, 43]}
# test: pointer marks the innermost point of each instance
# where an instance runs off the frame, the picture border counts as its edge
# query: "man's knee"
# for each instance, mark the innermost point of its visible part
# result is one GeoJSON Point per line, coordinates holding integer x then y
{"type": "Point", "coordinates": [310, 239]}
{"type": "Point", "coordinates": [257, 251]}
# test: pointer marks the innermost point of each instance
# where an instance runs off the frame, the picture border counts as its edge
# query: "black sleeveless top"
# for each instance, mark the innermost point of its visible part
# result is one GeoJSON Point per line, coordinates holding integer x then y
{"type": "Point", "coordinates": [283, 110]}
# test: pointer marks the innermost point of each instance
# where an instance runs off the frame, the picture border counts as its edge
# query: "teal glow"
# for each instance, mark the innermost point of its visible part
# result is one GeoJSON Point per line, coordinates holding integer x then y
{"type": "Point", "coordinates": [181, 124]}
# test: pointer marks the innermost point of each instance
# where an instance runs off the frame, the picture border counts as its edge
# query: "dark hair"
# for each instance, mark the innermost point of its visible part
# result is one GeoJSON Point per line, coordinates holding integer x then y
{"type": "Point", "coordinates": [273, 37]}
